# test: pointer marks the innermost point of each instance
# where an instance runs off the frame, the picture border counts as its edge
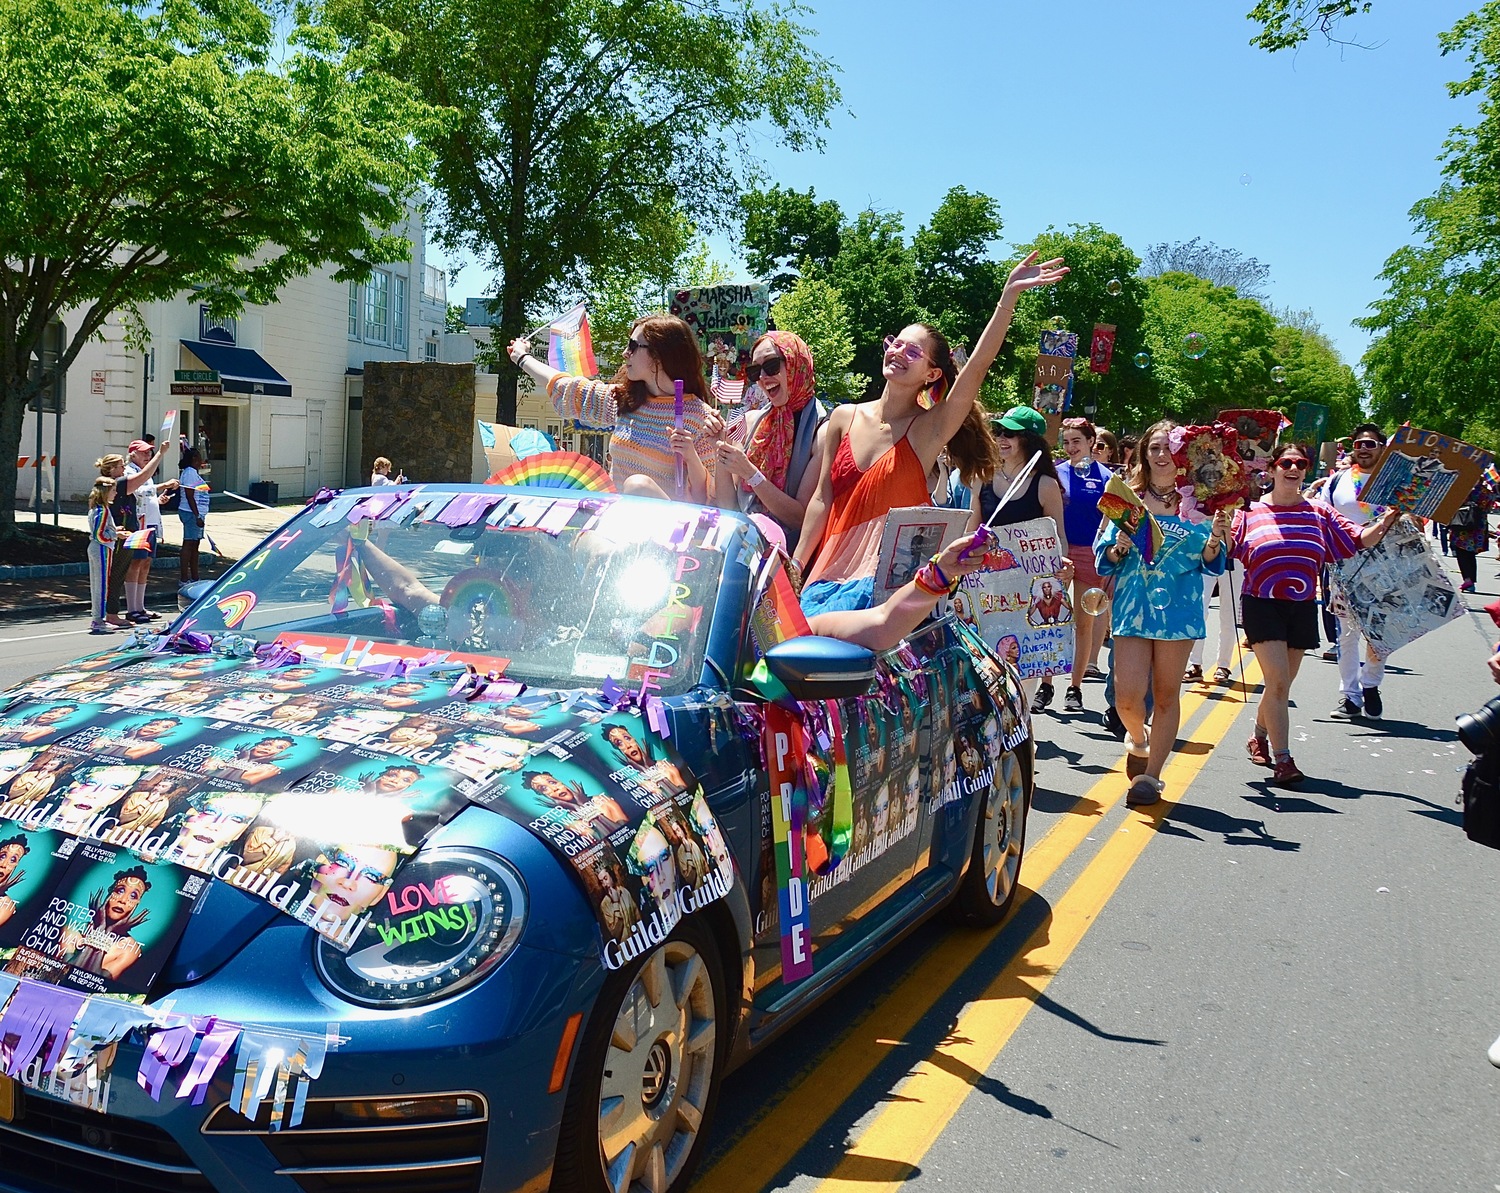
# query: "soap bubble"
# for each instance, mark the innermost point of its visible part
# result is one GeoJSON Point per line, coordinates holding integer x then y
{"type": "Point", "coordinates": [1142, 360]}
{"type": "Point", "coordinates": [1093, 601]}
{"type": "Point", "coordinates": [1158, 598]}
{"type": "Point", "coordinates": [1278, 375]}
{"type": "Point", "coordinates": [1244, 180]}
{"type": "Point", "coordinates": [1114, 287]}
{"type": "Point", "coordinates": [1057, 323]}
{"type": "Point", "coordinates": [1195, 345]}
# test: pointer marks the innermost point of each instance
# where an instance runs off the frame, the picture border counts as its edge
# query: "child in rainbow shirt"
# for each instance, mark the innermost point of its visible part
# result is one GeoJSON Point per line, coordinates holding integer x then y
{"type": "Point", "coordinates": [101, 549]}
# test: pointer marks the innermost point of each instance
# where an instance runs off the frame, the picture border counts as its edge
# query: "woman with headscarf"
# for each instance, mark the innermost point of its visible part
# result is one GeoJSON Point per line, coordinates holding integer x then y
{"type": "Point", "coordinates": [770, 473]}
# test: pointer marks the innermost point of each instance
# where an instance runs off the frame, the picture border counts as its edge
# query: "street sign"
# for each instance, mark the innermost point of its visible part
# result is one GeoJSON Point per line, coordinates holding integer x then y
{"type": "Point", "coordinates": [196, 389]}
{"type": "Point", "coordinates": [96, 381]}
{"type": "Point", "coordinates": [206, 376]}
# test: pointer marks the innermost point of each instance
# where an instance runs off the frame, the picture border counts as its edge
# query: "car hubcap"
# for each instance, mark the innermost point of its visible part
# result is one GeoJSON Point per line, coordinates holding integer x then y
{"type": "Point", "coordinates": [1004, 814]}
{"type": "Point", "coordinates": [658, 1071]}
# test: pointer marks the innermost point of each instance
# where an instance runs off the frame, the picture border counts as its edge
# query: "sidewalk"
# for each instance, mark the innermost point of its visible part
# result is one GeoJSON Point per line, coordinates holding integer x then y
{"type": "Point", "coordinates": [234, 532]}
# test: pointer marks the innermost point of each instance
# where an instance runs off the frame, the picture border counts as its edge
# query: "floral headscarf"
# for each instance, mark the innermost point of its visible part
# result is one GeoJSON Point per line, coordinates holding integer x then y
{"type": "Point", "coordinates": [770, 448]}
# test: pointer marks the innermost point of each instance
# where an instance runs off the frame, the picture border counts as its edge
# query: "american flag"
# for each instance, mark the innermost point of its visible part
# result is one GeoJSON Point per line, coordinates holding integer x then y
{"type": "Point", "coordinates": [734, 426]}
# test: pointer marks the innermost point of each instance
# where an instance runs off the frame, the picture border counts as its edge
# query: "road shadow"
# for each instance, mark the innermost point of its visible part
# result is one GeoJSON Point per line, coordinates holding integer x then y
{"type": "Point", "coordinates": [1235, 830]}
{"type": "Point", "coordinates": [1448, 813]}
{"type": "Point", "coordinates": [1283, 800]}
{"type": "Point", "coordinates": [1049, 751]}
{"type": "Point", "coordinates": [1057, 803]}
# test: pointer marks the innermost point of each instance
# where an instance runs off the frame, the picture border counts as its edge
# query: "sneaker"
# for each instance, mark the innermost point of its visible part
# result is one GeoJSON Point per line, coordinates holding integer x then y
{"type": "Point", "coordinates": [1260, 751]}
{"type": "Point", "coordinates": [1346, 710]}
{"type": "Point", "coordinates": [1466, 586]}
{"type": "Point", "coordinates": [1073, 700]}
{"type": "Point", "coordinates": [1374, 706]}
{"type": "Point", "coordinates": [1145, 790]}
{"type": "Point", "coordinates": [1136, 754]}
{"type": "Point", "coordinates": [1042, 699]}
{"type": "Point", "coordinates": [1331, 655]}
{"type": "Point", "coordinates": [100, 627]}
{"type": "Point", "coordinates": [1113, 723]}
{"type": "Point", "coordinates": [1286, 774]}
{"type": "Point", "coordinates": [1495, 1054]}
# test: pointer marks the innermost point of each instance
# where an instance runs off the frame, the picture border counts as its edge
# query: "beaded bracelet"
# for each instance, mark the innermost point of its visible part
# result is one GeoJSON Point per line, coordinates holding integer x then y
{"type": "Point", "coordinates": [927, 577]}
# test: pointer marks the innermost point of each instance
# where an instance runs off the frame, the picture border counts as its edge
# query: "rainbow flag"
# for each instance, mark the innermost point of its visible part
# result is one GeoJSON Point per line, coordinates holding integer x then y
{"type": "Point", "coordinates": [139, 540]}
{"type": "Point", "coordinates": [570, 344]}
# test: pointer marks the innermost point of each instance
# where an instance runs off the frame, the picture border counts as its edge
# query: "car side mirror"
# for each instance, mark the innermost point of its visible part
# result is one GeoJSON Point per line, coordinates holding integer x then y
{"type": "Point", "coordinates": [190, 592]}
{"type": "Point", "coordinates": [814, 668]}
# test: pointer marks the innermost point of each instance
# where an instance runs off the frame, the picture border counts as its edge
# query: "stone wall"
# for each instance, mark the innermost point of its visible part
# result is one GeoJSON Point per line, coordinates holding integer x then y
{"type": "Point", "coordinates": [421, 417]}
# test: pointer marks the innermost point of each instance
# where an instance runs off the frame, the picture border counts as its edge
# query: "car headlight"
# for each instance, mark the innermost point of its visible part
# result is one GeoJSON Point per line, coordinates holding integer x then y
{"type": "Point", "coordinates": [451, 916]}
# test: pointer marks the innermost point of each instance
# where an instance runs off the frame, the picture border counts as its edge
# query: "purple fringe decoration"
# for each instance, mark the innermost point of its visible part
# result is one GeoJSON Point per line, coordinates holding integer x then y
{"type": "Point", "coordinates": [36, 1013]}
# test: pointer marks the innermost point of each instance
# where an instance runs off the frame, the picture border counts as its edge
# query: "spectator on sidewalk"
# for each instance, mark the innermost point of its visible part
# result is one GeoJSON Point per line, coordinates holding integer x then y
{"type": "Point", "coordinates": [1469, 532]}
{"type": "Point", "coordinates": [192, 508]}
{"type": "Point", "coordinates": [101, 548]}
{"type": "Point", "coordinates": [380, 473]}
{"type": "Point", "coordinates": [140, 468]}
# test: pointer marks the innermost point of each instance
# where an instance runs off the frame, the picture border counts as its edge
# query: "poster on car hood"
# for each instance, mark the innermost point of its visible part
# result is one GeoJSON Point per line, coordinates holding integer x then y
{"type": "Point", "coordinates": [620, 804]}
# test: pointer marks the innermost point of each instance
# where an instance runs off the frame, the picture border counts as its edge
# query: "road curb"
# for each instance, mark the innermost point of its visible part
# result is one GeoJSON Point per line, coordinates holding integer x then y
{"type": "Point", "coordinates": [38, 571]}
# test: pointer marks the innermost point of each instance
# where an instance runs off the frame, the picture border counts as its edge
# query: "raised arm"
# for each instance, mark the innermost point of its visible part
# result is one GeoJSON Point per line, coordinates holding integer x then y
{"type": "Point", "coordinates": [941, 423]}
{"type": "Point", "coordinates": [582, 399]}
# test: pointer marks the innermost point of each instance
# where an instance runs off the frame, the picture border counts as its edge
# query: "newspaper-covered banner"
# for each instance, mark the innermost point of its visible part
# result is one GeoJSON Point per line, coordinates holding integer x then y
{"type": "Point", "coordinates": [1016, 601]}
{"type": "Point", "coordinates": [1396, 590]}
{"type": "Point", "coordinates": [1425, 473]}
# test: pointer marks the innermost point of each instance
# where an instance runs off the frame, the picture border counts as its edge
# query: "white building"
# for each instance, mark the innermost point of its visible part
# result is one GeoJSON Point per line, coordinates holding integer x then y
{"type": "Point", "coordinates": [291, 374]}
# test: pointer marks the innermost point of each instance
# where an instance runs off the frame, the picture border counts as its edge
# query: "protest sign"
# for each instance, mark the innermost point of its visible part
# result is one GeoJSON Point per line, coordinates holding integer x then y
{"type": "Point", "coordinates": [1309, 424]}
{"type": "Point", "coordinates": [1396, 590]}
{"type": "Point", "coordinates": [1102, 348]}
{"type": "Point", "coordinates": [1258, 431]}
{"type": "Point", "coordinates": [1209, 468]}
{"type": "Point", "coordinates": [1017, 603]}
{"type": "Point", "coordinates": [1425, 473]}
{"type": "Point", "coordinates": [912, 536]}
{"type": "Point", "coordinates": [1052, 390]}
{"type": "Point", "coordinates": [727, 321]}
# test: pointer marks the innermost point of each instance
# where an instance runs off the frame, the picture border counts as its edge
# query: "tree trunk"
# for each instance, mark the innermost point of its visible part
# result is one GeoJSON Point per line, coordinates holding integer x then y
{"type": "Point", "coordinates": [512, 324]}
{"type": "Point", "coordinates": [12, 411]}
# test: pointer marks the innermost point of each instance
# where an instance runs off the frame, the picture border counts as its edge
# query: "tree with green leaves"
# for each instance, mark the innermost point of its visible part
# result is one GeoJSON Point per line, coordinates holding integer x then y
{"type": "Point", "coordinates": [1286, 24]}
{"type": "Point", "coordinates": [814, 310]}
{"type": "Point", "coordinates": [585, 128]}
{"type": "Point", "coordinates": [782, 228]}
{"type": "Point", "coordinates": [148, 151]}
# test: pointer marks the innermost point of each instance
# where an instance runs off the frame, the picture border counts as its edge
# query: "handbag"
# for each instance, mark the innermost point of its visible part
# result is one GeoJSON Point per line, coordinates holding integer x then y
{"type": "Point", "coordinates": [1466, 517]}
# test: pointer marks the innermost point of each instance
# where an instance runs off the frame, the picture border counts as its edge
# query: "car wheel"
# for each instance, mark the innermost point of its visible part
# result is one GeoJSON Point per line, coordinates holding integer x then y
{"type": "Point", "coordinates": [647, 1074]}
{"type": "Point", "coordinates": [989, 884]}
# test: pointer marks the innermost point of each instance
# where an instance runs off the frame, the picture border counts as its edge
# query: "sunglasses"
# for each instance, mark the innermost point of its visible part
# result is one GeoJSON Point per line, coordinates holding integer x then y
{"type": "Point", "coordinates": [912, 352]}
{"type": "Point", "coordinates": [753, 372]}
{"type": "Point", "coordinates": [1289, 464]}
{"type": "Point", "coordinates": [1368, 443]}
{"type": "Point", "coordinates": [633, 345]}
{"type": "Point", "coordinates": [1006, 433]}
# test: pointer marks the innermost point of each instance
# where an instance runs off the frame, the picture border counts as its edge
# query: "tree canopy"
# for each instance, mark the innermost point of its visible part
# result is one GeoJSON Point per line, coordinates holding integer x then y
{"type": "Point", "coordinates": [1286, 24]}
{"type": "Point", "coordinates": [148, 151]}
{"type": "Point", "coordinates": [583, 128]}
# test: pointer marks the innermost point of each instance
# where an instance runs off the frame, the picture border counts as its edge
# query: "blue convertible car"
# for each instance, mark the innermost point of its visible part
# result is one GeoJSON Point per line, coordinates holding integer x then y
{"type": "Point", "coordinates": [464, 838]}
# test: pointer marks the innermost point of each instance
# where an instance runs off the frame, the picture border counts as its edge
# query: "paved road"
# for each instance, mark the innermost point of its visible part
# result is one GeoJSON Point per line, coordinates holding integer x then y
{"type": "Point", "coordinates": [1245, 990]}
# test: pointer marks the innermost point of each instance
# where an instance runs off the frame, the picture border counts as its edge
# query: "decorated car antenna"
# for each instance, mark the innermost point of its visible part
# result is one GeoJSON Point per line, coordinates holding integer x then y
{"type": "Point", "coordinates": [677, 422]}
{"type": "Point", "coordinates": [1015, 486]}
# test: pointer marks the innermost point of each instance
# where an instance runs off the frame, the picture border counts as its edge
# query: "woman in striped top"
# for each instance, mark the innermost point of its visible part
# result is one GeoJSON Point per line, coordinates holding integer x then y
{"type": "Point", "coordinates": [638, 404]}
{"type": "Point", "coordinates": [1284, 541]}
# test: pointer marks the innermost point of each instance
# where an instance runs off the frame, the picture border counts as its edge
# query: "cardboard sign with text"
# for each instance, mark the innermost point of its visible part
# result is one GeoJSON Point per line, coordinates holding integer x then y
{"type": "Point", "coordinates": [1017, 603]}
{"type": "Point", "coordinates": [1425, 473]}
{"type": "Point", "coordinates": [912, 536]}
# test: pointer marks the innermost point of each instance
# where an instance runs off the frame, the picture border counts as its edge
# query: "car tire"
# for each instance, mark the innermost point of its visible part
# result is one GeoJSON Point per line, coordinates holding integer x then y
{"type": "Point", "coordinates": [988, 887]}
{"type": "Point", "coordinates": [648, 1072]}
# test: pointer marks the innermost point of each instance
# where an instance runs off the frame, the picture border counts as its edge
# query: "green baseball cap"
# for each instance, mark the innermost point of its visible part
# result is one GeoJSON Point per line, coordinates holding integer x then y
{"type": "Point", "coordinates": [1024, 418]}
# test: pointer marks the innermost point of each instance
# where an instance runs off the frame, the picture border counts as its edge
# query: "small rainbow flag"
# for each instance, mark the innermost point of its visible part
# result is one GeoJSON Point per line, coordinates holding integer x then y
{"type": "Point", "coordinates": [138, 540]}
{"type": "Point", "coordinates": [570, 344]}
{"type": "Point", "coordinates": [1492, 474]}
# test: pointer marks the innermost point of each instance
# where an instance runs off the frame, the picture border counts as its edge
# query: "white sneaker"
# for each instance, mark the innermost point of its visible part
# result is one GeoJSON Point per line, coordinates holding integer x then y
{"type": "Point", "coordinates": [1495, 1054]}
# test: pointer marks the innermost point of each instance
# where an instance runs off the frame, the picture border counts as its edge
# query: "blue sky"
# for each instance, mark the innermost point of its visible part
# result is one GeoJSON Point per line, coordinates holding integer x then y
{"type": "Point", "coordinates": [1142, 116]}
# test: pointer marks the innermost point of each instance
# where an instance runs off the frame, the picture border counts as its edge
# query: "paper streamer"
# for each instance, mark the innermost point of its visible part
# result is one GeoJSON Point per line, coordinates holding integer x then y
{"type": "Point", "coordinates": [217, 1038]}
{"type": "Point", "coordinates": [271, 1064]}
{"type": "Point", "coordinates": [36, 1013]}
{"type": "Point", "coordinates": [166, 1048]}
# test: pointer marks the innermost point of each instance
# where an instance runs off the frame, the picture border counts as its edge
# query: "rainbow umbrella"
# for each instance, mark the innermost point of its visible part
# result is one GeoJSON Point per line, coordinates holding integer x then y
{"type": "Point", "coordinates": [556, 470]}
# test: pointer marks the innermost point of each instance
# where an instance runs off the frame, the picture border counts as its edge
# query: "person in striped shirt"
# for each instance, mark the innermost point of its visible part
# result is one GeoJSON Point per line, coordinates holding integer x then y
{"type": "Point", "coordinates": [101, 551]}
{"type": "Point", "coordinates": [639, 406]}
{"type": "Point", "coordinates": [1284, 540]}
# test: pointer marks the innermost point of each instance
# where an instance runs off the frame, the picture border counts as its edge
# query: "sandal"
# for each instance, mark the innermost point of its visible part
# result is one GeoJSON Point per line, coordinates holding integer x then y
{"type": "Point", "coordinates": [1194, 673]}
{"type": "Point", "coordinates": [1222, 675]}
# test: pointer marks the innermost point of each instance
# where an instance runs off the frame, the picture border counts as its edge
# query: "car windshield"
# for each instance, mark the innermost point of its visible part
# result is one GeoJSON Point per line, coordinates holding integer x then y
{"type": "Point", "coordinates": [557, 591]}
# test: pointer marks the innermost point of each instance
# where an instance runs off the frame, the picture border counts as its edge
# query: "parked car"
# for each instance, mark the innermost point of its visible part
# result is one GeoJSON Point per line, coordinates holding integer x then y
{"type": "Point", "coordinates": [479, 779]}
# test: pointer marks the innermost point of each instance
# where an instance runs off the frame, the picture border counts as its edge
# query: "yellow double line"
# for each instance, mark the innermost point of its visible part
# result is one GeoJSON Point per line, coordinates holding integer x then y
{"type": "Point", "coordinates": [932, 1091]}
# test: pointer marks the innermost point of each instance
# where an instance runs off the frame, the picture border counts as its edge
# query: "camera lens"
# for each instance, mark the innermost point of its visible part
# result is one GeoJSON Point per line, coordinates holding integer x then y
{"type": "Point", "coordinates": [1478, 729]}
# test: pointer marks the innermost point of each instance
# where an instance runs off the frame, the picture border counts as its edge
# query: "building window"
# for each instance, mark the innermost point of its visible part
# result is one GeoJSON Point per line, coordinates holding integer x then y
{"type": "Point", "coordinates": [377, 307]}
{"type": "Point", "coordinates": [398, 313]}
{"type": "Point", "coordinates": [528, 426]}
{"type": "Point", "coordinates": [431, 349]}
{"type": "Point", "coordinates": [435, 286]}
{"type": "Point", "coordinates": [354, 310]}
{"type": "Point", "coordinates": [217, 329]}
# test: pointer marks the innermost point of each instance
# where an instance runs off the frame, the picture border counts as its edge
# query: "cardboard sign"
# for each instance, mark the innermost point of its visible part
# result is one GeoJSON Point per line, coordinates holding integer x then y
{"type": "Point", "coordinates": [1425, 473]}
{"type": "Point", "coordinates": [1053, 370]}
{"type": "Point", "coordinates": [727, 321]}
{"type": "Point", "coordinates": [1015, 601]}
{"type": "Point", "coordinates": [912, 536]}
{"type": "Point", "coordinates": [1396, 590]}
{"type": "Point", "coordinates": [1258, 431]}
{"type": "Point", "coordinates": [1309, 424]}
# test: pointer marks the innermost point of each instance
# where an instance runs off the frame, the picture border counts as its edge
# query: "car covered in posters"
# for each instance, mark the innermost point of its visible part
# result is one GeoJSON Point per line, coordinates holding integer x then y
{"type": "Point", "coordinates": [465, 838]}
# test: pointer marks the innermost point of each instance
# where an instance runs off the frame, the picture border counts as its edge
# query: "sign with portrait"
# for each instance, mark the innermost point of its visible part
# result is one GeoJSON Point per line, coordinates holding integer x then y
{"type": "Point", "coordinates": [912, 536]}
{"type": "Point", "coordinates": [1425, 473]}
{"type": "Point", "coordinates": [727, 321]}
{"type": "Point", "coordinates": [1396, 590]}
{"type": "Point", "coordinates": [1017, 603]}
